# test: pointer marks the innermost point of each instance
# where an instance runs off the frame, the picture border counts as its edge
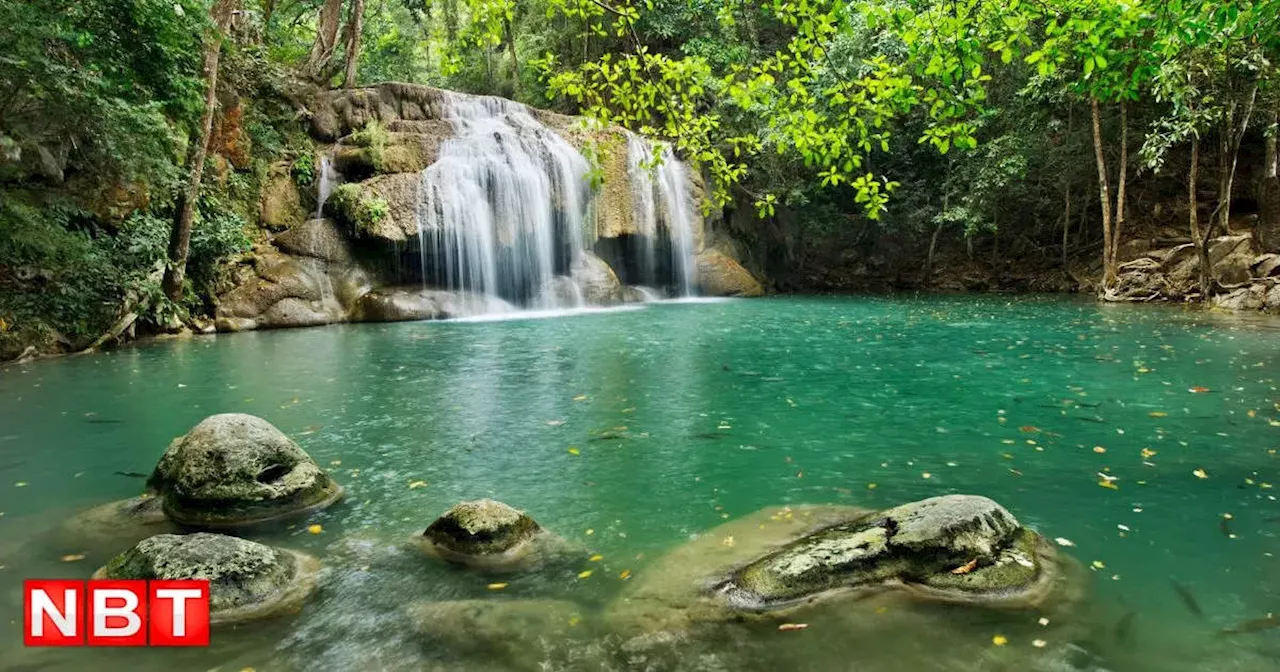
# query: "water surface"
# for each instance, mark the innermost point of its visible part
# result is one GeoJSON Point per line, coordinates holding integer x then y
{"type": "Point", "coordinates": [684, 416]}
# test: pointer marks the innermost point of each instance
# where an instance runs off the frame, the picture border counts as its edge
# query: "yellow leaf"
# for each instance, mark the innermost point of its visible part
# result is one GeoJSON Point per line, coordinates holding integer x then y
{"type": "Point", "coordinates": [1099, 450]}
{"type": "Point", "coordinates": [315, 529]}
{"type": "Point", "coordinates": [73, 558]}
{"type": "Point", "coordinates": [590, 531]}
{"type": "Point", "coordinates": [574, 620]}
{"type": "Point", "coordinates": [625, 574]}
{"type": "Point", "coordinates": [1098, 564]}
{"type": "Point", "coordinates": [20, 484]}
{"type": "Point", "coordinates": [573, 451]}
{"type": "Point", "coordinates": [926, 475]}
{"type": "Point", "coordinates": [417, 484]}
{"type": "Point", "coordinates": [584, 574]}
{"type": "Point", "coordinates": [1200, 473]}
{"type": "Point", "coordinates": [580, 397]}
{"type": "Point", "coordinates": [788, 627]}
{"type": "Point", "coordinates": [999, 640]}
{"type": "Point", "coordinates": [1108, 485]}
{"type": "Point", "coordinates": [1147, 453]}
{"type": "Point", "coordinates": [1043, 621]}
{"type": "Point", "coordinates": [871, 486]}
{"type": "Point", "coordinates": [596, 558]}
{"type": "Point", "coordinates": [1039, 643]}
{"type": "Point", "coordinates": [497, 586]}
{"type": "Point", "coordinates": [1158, 414]}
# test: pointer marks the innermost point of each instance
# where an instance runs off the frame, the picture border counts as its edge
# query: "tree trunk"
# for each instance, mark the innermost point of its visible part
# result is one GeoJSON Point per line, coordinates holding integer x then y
{"type": "Point", "coordinates": [515, 60]}
{"type": "Point", "coordinates": [355, 23]}
{"type": "Point", "coordinates": [1124, 176]}
{"type": "Point", "coordinates": [1236, 138]}
{"type": "Point", "coordinates": [326, 38]}
{"type": "Point", "coordinates": [1200, 238]}
{"type": "Point", "coordinates": [1066, 196]}
{"type": "Point", "coordinates": [1269, 219]}
{"type": "Point", "coordinates": [928, 262]}
{"type": "Point", "coordinates": [1104, 196]}
{"type": "Point", "coordinates": [180, 239]}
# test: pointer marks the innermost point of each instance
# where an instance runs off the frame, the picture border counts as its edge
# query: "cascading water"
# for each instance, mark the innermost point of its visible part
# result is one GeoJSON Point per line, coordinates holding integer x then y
{"type": "Point", "coordinates": [502, 208]}
{"type": "Point", "coordinates": [663, 208]}
{"type": "Point", "coordinates": [327, 180]}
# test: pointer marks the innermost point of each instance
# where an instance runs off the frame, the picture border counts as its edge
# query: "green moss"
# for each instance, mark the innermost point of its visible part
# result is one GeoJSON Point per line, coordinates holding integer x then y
{"type": "Point", "coordinates": [374, 138]}
{"type": "Point", "coordinates": [354, 206]}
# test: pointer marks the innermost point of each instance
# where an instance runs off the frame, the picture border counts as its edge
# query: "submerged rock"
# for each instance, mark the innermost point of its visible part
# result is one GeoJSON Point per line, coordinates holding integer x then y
{"type": "Point", "coordinates": [822, 561]}
{"type": "Point", "coordinates": [391, 304]}
{"type": "Point", "coordinates": [247, 580]}
{"type": "Point", "coordinates": [959, 548]}
{"type": "Point", "coordinates": [487, 534]}
{"type": "Point", "coordinates": [122, 522]}
{"type": "Point", "coordinates": [234, 469]}
{"type": "Point", "coordinates": [514, 630]}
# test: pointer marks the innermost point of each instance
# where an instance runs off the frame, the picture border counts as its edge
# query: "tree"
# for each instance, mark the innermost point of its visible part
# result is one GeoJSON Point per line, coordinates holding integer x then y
{"type": "Point", "coordinates": [180, 240]}
{"type": "Point", "coordinates": [355, 23]}
{"type": "Point", "coordinates": [326, 42]}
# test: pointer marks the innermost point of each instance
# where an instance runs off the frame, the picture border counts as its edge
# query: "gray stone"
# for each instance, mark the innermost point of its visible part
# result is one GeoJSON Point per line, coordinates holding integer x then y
{"type": "Point", "coordinates": [600, 285]}
{"type": "Point", "coordinates": [967, 525]}
{"type": "Point", "coordinates": [483, 533]}
{"type": "Point", "coordinates": [235, 469]}
{"type": "Point", "coordinates": [720, 275]}
{"type": "Point", "coordinates": [247, 580]}
{"type": "Point", "coordinates": [318, 238]}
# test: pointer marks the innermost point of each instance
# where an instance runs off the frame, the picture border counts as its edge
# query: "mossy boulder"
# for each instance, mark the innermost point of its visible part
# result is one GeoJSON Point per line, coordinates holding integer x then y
{"type": "Point", "coordinates": [960, 548]}
{"type": "Point", "coordinates": [247, 580]}
{"type": "Point", "coordinates": [486, 534]}
{"type": "Point", "coordinates": [318, 239]}
{"type": "Point", "coordinates": [719, 274]}
{"type": "Point", "coordinates": [384, 207]}
{"type": "Point", "coordinates": [281, 205]}
{"type": "Point", "coordinates": [235, 469]}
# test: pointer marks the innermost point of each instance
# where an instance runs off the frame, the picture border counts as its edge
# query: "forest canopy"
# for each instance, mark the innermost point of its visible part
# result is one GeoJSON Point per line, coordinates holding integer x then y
{"type": "Point", "coordinates": [1057, 126]}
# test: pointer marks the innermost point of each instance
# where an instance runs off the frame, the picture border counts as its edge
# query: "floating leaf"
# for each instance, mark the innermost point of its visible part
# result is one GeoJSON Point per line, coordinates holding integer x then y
{"type": "Point", "coordinates": [1200, 473]}
{"type": "Point", "coordinates": [1029, 429]}
{"type": "Point", "coordinates": [590, 531]}
{"type": "Point", "coordinates": [1158, 414]}
{"type": "Point", "coordinates": [1098, 564]}
{"type": "Point", "coordinates": [555, 423]}
{"type": "Point", "coordinates": [1110, 485]}
{"type": "Point", "coordinates": [574, 620]}
{"type": "Point", "coordinates": [20, 484]}
{"type": "Point", "coordinates": [999, 640]}
{"type": "Point", "coordinates": [1099, 450]}
{"type": "Point", "coordinates": [1198, 390]}
{"type": "Point", "coordinates": [966, 567]}
{"type": "Point", "coordinates": [788, 627]}
{"type": "Point", "coordinates": [580, 397]}
{"type": "Point", "coordinates": [413, 485]}
{"type": "Point", "coordinates": [624, 574]}
{"type": "Point", "coordinates": [1043, 621]}
{"type": "Point", "coordinates": [497, 586]}
{"type": "Point", "coordinates": [72, 558]}
{"type": "Point", "coordinates": [1147, 453]}
{"type": "Point", "coordinates": [926, 475]}
{"type": "Point", "coordinates": [596, 558]}
{"type": "Point", "coordinates": [573, 451]}
{"type": "Point", "coordinates": [1063, 541]}
{"type": "Point", "coordinates": [315, 529]}
{"type": "Point", "coordinates": [727, 541]}
{"type": "Point", "coordinates": [871, 486]}
{"type": "Point", "coordinates": [584, 574]}
{"type": "Point", "coordinates": [1039, 643]}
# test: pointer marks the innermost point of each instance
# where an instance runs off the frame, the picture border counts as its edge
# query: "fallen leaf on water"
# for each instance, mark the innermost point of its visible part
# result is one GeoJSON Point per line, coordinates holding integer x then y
{"type": "Point", "coordinates": [1043, 621]}
{"type": "Point", "coordinates": [590, 531]}
{"type": "Point", "coordinates": [1039, 643]}
{"type": "Point", "coordinates": [728, 541]}
{"type": "Point", "coordinates": [1158, 414]}
{"type": "Point", "coordinates": [1110, 485]}
{"type": "Point", "coordinates": [1099, 450]}
{"type": "Point", "coordinates": [573, 451]}
{"type": "Point", "coordinates": [417, 484]}
{"type": "Point", "coordinates": [1063, 541]}
{"type": "Point", "coordinates": [497, 586]}
{"type": "Point", "coordinates": [787, 627]}
{"type": "Point", "coordinates": [574, 620]}
{"type": "Point", "coordinates": [20, 484]}
{"type": "Point", "coordinates": [871, 486]}
{"type": "Point", "coordinates": [72, 558]}
{"type": "Point", "coordinates": [1098, 564]}
{"type": "Point", "coordinates": [315, 529]}
{"type": "Point", "coordinates": [1200, 473]}
{"type": "Point", "coordinates": [580, 397]}
{"type": "Point", "coordinates": [1198, 390]}
{"type": "Point", "coordinates": [335, 462]}
{"type": "Point", "coordinates": [966, 567]}
{"type": "Point", "coordinates": [800, 474]}
{"type": "Point", "coordinates": [555, 423]}
{"type": "Point", "coordinates": [999, 640]}
{"type": "Point", "coordinates": [596, 558]}
{"type": "Point", "coordinates": [1030, 429]}
{"type": "Point", "coordinates": [584, 574]}
{"type": "Point", "coordinates": [926, 475]}
{"type": "Point", "coordinates": [625, 574]}
{"type": "Point", "coordinates": [1147, 453]}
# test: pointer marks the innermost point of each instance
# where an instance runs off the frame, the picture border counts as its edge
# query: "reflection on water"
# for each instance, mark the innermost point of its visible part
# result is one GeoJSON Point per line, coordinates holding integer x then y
{"type": "Point", "coordinates": [686, 417]}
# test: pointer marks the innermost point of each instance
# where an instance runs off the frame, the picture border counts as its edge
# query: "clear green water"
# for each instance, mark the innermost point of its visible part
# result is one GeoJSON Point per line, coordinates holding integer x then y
{"type": "Point", "coordinates": [710, 411]}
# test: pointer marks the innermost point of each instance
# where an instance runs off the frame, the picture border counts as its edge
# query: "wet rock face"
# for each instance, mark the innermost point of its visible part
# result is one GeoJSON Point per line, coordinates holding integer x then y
{"type": "Point", "coordinates": [959, 548]}
{"type": "Point", "coordinates": [482, 532]}
{"type": "Point", "coordinates": [246, 579]}
{"type": "Point", "coordinates": [235, 469]}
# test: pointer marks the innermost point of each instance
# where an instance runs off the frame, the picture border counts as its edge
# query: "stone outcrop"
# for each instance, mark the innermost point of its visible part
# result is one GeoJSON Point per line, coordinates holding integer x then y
{"type": "Point", "coordinates": [720, 275]}
{"type": "Point", "coordinates": [1244, 279]}
{"type": "Point", "coordinates": [235, 469]}
{"type": "Point", "coordinates": [405, 304]}
{"type": "Point", "coordinates": [247, 580]}
{"type": "Point", "coordinates": [953, 549]}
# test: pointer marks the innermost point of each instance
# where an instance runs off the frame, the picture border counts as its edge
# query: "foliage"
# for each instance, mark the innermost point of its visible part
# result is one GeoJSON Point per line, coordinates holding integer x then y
{"type": "Point", "coordinates": [358, 209]}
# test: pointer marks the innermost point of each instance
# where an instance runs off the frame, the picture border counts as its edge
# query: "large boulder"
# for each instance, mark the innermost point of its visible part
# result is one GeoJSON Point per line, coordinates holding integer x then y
{"type": "Point", "coordinates": [600, 285]}
{"type": "Point", "coordinates": [316, 238]}
{"type": "Point", "coordinates": [247, 580]}
{"type": "Point", "coordinates": [487, 534]}
{"type": "Point", "coordinates": [961, 548]}
{"type": "Point", "coordinates": [281, 205]}
{"type": "Point", "coordinates": [719, 275]}
{"type": "Point", "coordinates": [235, 469]}
{"type": "Point", "coordinates": [392, 304]}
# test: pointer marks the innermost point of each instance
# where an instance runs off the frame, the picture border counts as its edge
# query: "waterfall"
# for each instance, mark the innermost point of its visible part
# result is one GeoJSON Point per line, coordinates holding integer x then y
{"type": "Point", "coordinates": [663, 211]}
{"type": "Point", "coordinates": [502, 208]}
{"type": "Point", "coordinates": [324, 188]}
